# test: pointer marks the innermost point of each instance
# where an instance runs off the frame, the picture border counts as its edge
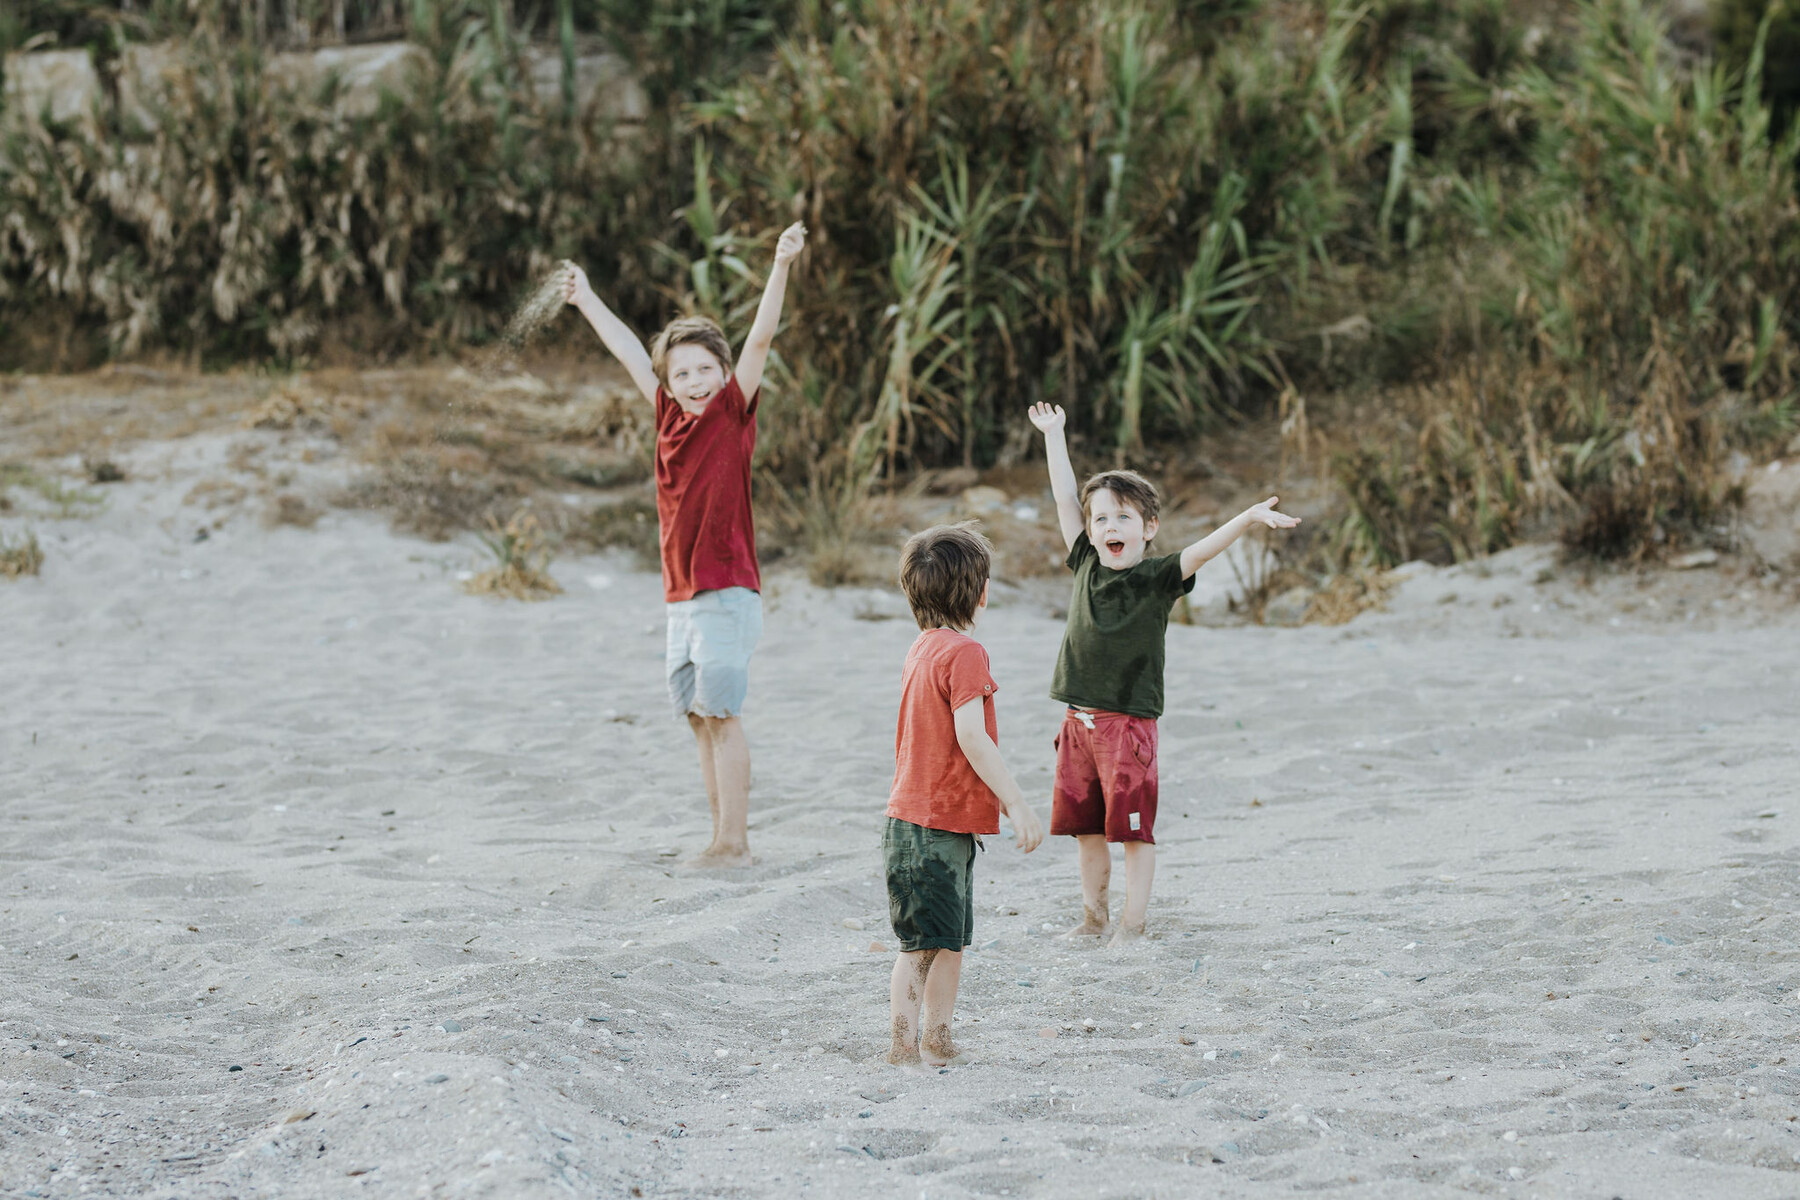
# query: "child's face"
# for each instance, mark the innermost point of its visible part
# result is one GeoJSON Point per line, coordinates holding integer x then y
{"type": "Point", "coordinates": [695, 374]}
{"type": "Point", "coordinates": [1118, 531]}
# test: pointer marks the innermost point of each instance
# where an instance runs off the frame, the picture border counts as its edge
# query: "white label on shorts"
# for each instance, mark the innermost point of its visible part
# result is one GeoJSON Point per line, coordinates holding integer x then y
{"type": "Point", "coordinates": [1135, 823]}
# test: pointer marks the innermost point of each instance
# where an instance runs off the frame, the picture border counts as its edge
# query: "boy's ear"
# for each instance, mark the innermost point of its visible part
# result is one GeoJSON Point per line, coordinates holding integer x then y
{"type": "Point", "coordinates": [1150, 529]}
{"type": "Point", "coordinates": [982, 603]}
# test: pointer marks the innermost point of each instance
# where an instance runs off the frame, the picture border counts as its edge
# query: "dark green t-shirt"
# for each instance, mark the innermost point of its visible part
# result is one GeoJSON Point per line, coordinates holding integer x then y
{"type": "Point", "coordinates": [1112, 650]}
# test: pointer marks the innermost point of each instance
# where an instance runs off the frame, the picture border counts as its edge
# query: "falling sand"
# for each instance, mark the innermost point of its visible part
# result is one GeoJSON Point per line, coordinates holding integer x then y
{"type": "Point", "coordinates": [540, 308]}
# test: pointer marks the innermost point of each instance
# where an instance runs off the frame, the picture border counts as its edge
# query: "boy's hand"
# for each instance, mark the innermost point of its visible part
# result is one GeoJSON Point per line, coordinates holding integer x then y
{"type": "Point", "coordinates": [1265, 514]}
{"type": "Point", "coordinates": [1027, 828]}
{"type": "Point", "coordinates": [793, 240]}
{"type": "Point", "coordinates": [1046, 417]}
{"type": "Point", "coordinates": [575, 285]}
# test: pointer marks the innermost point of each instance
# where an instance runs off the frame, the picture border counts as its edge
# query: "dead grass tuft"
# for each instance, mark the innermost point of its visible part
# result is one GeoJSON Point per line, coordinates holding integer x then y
{"type": "Point", "coordinates": [21, 557]}
{"type": "Point", "coordinates": [287, 508]}
{"type": "Point", "coordinates": [1347, 596]}
{"type": "Point", "coordinates": [520, 559]}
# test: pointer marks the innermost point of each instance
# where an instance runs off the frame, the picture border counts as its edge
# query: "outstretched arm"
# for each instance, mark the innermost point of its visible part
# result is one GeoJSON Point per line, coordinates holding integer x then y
{"type": "Point", "coordinates": [1216, 541]}
{"type": "Point", "coordinates": [755, 354]}
{"type": "Point", "coordinates": [616, 335]}
{"type": "Point", "coordinates": [984, 756]}
{"type": "Point", "coordinates": [1062, 472]}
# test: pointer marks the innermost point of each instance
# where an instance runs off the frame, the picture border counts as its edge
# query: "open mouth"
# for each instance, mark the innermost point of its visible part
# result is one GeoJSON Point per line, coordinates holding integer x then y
{"type": "Point", "coordinates": [1114, 546]}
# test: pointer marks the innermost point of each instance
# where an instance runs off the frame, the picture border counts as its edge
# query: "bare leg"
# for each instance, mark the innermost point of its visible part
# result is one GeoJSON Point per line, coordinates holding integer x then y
{"type": "Point", "coordinates": [1096, 877]}
{"type": "Point", "coordinates": [941, 983]}
{"type": "Point", "coordinates": [708, 772]}
{"type": "Point", "coordinates": [906, 990]}
{"type": "Point", "coordinates": [1140, 870]}
{"type": "Point", "coordinates": [731, 812]}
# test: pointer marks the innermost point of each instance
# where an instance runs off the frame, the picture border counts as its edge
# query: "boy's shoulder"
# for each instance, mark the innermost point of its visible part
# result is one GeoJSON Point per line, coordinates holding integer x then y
{"type": "Point", "coordinates": [941, 645]}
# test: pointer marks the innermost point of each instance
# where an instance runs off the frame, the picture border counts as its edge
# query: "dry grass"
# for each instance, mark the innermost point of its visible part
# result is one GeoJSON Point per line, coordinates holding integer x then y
{"type": "Point", "coordinates": [520, 559]}
{"type": "Point", "coordinates": [20, 557]}
{"type": "Point", "coordinates": [286, 508]}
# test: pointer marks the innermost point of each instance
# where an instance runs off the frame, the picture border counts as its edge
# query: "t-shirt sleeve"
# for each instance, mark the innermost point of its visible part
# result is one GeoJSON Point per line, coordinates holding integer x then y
{"type": "Point", "coordinates": [744, 409]}
{"type": "Point", "coordinates": [1082, 549]}
{"type": "Point", "coordinates": [966, 675]}
{"type": "Point", "coordinates": [1166, 572]}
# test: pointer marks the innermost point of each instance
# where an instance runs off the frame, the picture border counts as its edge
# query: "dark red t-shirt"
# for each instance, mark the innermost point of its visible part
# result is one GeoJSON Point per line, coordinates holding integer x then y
{"type": "Point", "coordinates": [703, 493]}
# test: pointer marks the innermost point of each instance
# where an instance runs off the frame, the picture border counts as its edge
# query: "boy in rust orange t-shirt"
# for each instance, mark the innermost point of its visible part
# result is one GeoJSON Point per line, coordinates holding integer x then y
{"type": "Point", "coordinates": [950, 787]}
{"type": "Point", "coordinates": [705, 435]}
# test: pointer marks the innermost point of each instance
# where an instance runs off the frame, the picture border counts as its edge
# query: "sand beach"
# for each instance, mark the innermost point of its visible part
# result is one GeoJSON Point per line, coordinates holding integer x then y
{"type": "Point", "coordinates": [323, 878]}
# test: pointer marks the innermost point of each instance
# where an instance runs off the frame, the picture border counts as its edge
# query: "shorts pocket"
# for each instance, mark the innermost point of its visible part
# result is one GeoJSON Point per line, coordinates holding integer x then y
{"type": "Point", "coordinates": [1142, 749]}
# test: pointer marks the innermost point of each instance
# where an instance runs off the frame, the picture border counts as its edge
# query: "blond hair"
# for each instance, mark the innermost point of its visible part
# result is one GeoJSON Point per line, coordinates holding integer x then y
{"type": "Point", "coordinates": [688, 331]}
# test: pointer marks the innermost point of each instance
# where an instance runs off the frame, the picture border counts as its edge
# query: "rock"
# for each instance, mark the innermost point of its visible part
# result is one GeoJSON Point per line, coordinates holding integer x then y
{"type": "Point", "coordinates": [233, 1067]}
{"type": "Point", "coordinates": [1289, 608]}
{"type": "Point", "coordinates": [452, 1027]}
{"type": "Point", "coordinates": [746, 1069]}
{"type": "Point", "coordinates": [1191, 1086]}
{"type": "Point", "coordinates": [1694, 558]}
{"type": "Point", "coordinates": [1048, 1032]}
{"type": "Point", "coordinates": [952, 480]}
{"type": "Point", "coordinates": [852, 923]}
{"type": "Point", "coordinates": [815, 1051]}
{"type": "Point", "coordinates": [62, 81]}
{"type": "Point", "coordinates": [1185, 1040]}
{"type": "Point", "coordinates": [866, 1113]}
{"type": "Point", "coordinates": [562, 1135]}
{"type": "Point", "coordinates": [440, 1077]}
{"type": "Point", "coordinates": [877, 948]}
{"type": "Point", "coordinates": [984, 499]}
{"type": "Point", "coordinates": [1771, 525]}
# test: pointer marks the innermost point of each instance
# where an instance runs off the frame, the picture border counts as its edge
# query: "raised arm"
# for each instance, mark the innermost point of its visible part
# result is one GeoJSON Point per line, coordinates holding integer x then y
{"type": "Point", "coordinates": [1062, 472]}
{"type": "Point", "coordinates": [755, 354]}
{"type": "Point", "coordinates": [984, 756]}
{"type": "Point", "coordinates": [1216, 541]}
{"type": "Point", "coordinates": [614, 333]}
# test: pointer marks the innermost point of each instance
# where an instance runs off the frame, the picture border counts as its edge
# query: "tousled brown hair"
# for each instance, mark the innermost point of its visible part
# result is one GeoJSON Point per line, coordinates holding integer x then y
{"type": "Point", "coordinates": [942, 572]}
{"type": "Point", "coordinates": [1128, 486]}
{"type": "Point", "coordinates": [688, 331]}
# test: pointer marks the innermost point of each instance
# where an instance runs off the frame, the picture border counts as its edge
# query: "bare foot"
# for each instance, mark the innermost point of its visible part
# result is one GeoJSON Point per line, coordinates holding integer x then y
{"type": "Point", "coordinates": [937, 1049]}
{"type": "Point", "coordinates": [1093, 924]}
{"type": "Point", "coordinates": [1124, 935]}
{"type": "Point", "coordinates": [904, 1056]}
{"type": "Point", "coordinates": [718, 858]}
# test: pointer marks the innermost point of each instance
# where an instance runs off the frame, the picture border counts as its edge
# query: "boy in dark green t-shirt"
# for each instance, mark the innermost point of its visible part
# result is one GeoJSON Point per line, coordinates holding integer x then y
{"type": "Point", "coordinates": [1110, 669]}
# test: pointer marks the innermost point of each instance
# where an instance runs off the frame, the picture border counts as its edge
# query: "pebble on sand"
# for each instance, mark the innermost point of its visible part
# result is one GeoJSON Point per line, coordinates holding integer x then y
{"type": "Point", "coordinates": [1048, 1032]}
{"type": "Point", "coordinates": [877, 948]}
{"type": "Point", "coordinates": [452, 1027]}
{"type": "Point", "coordinates": [438, 1078]}
{"type": "Point", "coordinates": [233, 1067]}
{"type": "Point", "coordinates": [853, 923]}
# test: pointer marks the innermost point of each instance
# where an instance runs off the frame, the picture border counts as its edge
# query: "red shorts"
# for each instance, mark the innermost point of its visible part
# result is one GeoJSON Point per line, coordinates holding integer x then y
{"type": "Point", "coordinates": [1105, 777]}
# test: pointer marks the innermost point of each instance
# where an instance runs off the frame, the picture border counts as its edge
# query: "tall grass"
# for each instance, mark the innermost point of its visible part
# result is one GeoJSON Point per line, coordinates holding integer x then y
{"type": "Point", "coordinates": [1526, 270]}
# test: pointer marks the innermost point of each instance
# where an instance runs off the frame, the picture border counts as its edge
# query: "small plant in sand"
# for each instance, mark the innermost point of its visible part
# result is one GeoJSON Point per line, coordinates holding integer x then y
{"type": "Point", "coordinates": [21, 557]}
{"type": "Point", "coordinates": [520, 559]}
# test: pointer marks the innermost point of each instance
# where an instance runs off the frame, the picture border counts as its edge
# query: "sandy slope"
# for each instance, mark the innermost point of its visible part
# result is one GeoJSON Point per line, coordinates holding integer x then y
{"type": "Point", "coordinates": [1473, 897]}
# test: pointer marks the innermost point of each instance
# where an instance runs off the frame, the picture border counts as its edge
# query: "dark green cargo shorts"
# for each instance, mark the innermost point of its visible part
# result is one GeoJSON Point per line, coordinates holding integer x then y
{"type": "Point", "coordinates": [931, 885]}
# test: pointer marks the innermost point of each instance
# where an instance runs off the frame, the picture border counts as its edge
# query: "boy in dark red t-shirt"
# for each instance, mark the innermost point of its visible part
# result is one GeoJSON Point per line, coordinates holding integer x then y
{"type": "Point", "coordinates": [950, 787]}
{"type": "Point", "coordinates": [705, 436]}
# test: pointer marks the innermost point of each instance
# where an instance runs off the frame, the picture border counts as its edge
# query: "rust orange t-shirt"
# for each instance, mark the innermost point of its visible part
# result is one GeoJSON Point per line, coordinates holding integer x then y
{"type": "Point", "coordinates": [703, 493]}
{"type": "Point", "coordinates": [934, 785]}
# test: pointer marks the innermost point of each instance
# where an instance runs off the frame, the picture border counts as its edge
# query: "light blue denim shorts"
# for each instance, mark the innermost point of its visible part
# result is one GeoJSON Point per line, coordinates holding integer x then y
{"type": "Point", "coordinates": [710, 640]}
